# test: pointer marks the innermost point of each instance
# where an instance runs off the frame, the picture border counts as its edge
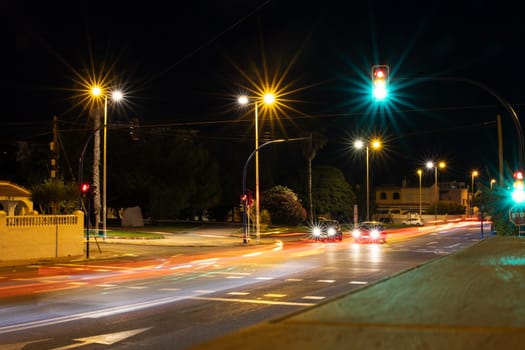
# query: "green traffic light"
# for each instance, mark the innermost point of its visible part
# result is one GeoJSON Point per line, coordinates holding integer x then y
{"type": "Point", "coordinates": [380, 77]}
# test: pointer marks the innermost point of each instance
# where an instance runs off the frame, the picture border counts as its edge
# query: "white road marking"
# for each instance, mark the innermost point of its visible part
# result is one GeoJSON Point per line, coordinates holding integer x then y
{"type": "Point", "coordinates": [294, 280]}
{"type": "Point", "coordinates": [203, 291]}
{"type": "Point", "coordinates": [136, 287]}
{"type": "Point", "coordinates": [264, 278]}
{"type": "Point", "coordinates": [104, 339]}
{"type": "Point", "coordinates": [169, 289]}
{"type": "Point", "coordinates": [313, 297]}
{"type": "Point", "coordinates": [274, 295]}
{"type": "Point", "coordinates": [326, 281]}
{"type": "Point", "coordinates": [238, 293]}
{"type": "Point", "coordinates": [253, 301]}
{"type": "Point", "coordinates": [358, 282]}
{"type": "Point", "coordinates": [106, 285]}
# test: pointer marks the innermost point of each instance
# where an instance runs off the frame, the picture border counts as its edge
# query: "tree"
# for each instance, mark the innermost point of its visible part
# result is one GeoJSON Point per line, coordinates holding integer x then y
{"type": "Point", "coordinates": [55, 197]}
{"type": "Point", "coordinates": [283, 205]}
{"type": "Point", "coordinates": [169, 173]}
{"type": "Point", "coordinates": [332, 194]}
{"type": "Point", "coordinates": [315, 142]}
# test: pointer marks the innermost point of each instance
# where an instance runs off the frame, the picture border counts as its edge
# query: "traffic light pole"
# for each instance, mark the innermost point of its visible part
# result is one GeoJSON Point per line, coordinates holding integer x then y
{"type": "Point", "coordinates": [504, 103]}
{"type": "Point", "coordinates": [244, 216]}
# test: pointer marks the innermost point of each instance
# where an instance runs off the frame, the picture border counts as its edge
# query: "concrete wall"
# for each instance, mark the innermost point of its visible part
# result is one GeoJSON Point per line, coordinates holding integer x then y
{"type": "Point", "coordinates": [29, 237]}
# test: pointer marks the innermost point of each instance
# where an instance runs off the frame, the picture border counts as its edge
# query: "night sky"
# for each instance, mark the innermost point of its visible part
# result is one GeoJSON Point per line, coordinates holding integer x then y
{"type": "Point", "coordinates": [184, 63]}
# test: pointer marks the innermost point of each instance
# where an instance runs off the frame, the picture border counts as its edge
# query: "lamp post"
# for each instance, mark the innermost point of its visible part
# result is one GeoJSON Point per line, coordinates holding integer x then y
{"type": "Point", "coordinates": [115, 96]}
{"type": "Point", "coordinates": [268, 99]}
{"type": "Point", "coordinates": [471, 203]}
{"type": "Point", "coordinates": [492, 182]}
{"type": "Point", "coordinates": [431, 165]}
{"type": "Point", "coordinates": [375, 144]}
{"type": "Point", "coordinates": [420, 172]}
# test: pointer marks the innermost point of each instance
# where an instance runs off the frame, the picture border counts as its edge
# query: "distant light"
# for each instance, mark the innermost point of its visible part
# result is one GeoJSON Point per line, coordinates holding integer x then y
{"type": "Point", "coordinates": [359, 144]}
{"type": "Point", "coordinates": [269, 98]}
{"type": "Point", "coordinates": [117, 95]}
{"type": "Point", "coordinates": [376, 144]}
{"type": "Point", "coordinates": [243, 100]}
{"type": "Point", "coordinates": [430, 165]}
{"type": "Point", "coordinates": [96, 91]}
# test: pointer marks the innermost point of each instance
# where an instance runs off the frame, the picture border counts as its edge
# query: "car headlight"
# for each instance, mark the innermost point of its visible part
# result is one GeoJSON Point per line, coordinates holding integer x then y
{"type": "Point", "coordinates": [356, 233]}
{"type": "Point", "coordinates": [316, 231]}
{"type": "Point", "coordinates": [331, 231]}
{"type": "Point", "coordinates": [374, 234]}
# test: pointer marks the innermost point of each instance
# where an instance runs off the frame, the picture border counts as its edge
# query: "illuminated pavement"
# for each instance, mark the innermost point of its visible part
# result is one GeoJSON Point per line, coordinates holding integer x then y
{"type": "Point", "coordinates": [472, 299]}
{"type": "Point", "coordinates": [207, 236]}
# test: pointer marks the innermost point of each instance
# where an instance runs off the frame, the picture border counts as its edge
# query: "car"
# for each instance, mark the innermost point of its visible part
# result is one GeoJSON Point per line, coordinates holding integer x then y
{"type": "Point", "coordinates": [413, 221]}
{"type": "Point", "coordinates": [327, 230]}
{"type": "Point", "coordinates": [370, 232]}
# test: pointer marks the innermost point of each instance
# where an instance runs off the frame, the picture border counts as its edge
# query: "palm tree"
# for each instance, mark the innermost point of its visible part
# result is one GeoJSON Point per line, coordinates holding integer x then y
{"type": "Point", "coordinates": [315, 142]}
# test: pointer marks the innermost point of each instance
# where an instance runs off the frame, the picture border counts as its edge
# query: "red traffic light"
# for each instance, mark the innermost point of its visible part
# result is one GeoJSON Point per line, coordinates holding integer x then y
{"type": "Point", "coordinates": [84, 188]}
{"type": "Point", "coordinates": [518, 175]}
{"type": "Point", "coordinates": [380, 73]}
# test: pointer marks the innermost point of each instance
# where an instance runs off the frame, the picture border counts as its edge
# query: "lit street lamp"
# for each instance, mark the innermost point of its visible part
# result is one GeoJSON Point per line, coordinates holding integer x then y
{"type": "Point", "coordinates": [376, 145]}
{"type": "Point", "coordinates": [268, 99]}
{"type": "Point", "coordinates": [115, 96]}
{"type": "Point", "coordinates": [431, 165]}
{"type": "Point", "coordinates": [471, 203]}
{"type": "Point", "coordinates": [420, 172]}
{"type": "Point", "coordinates": [492, 182]}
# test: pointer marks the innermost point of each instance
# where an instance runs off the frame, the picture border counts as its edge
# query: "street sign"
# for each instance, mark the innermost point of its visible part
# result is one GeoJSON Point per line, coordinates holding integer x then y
{"type": "Point", "coordinates": [517, 215]}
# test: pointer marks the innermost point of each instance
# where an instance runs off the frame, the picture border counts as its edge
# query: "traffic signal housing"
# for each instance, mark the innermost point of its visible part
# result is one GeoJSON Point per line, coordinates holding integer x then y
{"type": "Point", "coordinates": [85, 189]}
{"type": "Point", "coordinates": [518, 192]}
{"type": "Point", "coordinates": [380, 77]}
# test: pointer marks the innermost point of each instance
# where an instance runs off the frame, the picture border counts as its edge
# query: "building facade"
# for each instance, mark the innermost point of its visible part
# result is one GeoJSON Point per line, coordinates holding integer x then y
{"type": "Point", "coordinates": [403, 199]}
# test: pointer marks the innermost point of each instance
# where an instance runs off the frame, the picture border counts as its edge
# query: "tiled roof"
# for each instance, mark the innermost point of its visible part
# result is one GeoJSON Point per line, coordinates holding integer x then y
{"type": "Point", "coordinates": [8, 189]}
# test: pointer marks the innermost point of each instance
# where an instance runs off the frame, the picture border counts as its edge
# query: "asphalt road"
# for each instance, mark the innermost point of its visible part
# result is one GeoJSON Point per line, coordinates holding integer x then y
{"type": "Point", "coordinates": [178, 297]}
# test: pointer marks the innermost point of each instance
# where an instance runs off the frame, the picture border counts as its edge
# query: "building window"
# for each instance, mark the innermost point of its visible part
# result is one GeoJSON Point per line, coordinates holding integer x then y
{"type": "Point", "coordinates": [382, 195]}
{"type": "Point", "coordinates": [396, 196]}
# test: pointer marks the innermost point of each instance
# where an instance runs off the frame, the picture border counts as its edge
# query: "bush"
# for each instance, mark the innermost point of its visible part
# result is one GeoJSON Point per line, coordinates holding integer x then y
{"type": "Point", "coordinates": [283, 205]}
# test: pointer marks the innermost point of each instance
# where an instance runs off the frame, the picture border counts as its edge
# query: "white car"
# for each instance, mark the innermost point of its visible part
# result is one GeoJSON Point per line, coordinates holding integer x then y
{"type": "Point", "coordinates": [413, 222]}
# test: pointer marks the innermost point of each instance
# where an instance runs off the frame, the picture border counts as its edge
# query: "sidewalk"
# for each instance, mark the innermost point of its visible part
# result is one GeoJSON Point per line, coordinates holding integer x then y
{"type": "Point", "coordinates": [473, 299]}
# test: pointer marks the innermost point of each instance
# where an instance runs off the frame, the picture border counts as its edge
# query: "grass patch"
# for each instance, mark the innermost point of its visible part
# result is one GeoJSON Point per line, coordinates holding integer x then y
{"type": "Point", "coordinates": [134, 234]}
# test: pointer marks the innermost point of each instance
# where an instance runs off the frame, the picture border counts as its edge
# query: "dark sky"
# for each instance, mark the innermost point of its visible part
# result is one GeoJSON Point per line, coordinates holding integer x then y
{"type": "Point", "coordinates": [184, 62]}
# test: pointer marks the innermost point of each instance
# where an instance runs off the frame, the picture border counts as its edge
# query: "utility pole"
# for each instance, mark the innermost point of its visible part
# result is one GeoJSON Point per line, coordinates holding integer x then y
{"type": "Point", "coordinates": [54, 150]}
{"type": "Point", "coordinates": [500, 149]}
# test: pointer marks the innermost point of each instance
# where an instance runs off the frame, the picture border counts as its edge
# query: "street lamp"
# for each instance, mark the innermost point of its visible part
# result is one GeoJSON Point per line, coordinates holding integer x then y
{"type": "Point", "coordinates": [376, 145]}
{"type": "Point", "coordinates": [471, 203]}
{"type": "Point", "coordinates": [492, 182]}
{"type": "Point", "coordinates": [116, 96]}
{"type": "Point", "coordinates": [420, 172]}
{"type": "Point", "coordinates": [268, 98]}
{"type": "Point", "coordinates": [431, 165]}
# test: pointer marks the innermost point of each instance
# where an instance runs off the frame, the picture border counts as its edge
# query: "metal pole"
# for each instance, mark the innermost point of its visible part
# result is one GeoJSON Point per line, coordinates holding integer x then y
{"type": "Point", "coordinates": [471, 210]}
{"type": "Point", "coordinates": [257, 208]}
{"type": "Point", "coordinates": [420, 211]}
{"type": "Point", "coordinates": [255, 152]}
{"type": "Point", "coordinates": [104, 198]}
{"type": "Point", "coordinates": [367, 186]}
{"type": "Point", "coordinates": [436, 193]}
